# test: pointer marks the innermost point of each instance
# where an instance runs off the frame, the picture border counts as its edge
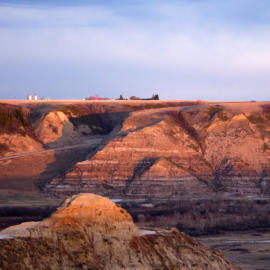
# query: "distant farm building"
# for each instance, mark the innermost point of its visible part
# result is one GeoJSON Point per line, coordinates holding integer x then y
{"type": "Point", "coordinates": [94, 98]}
{"type": "Point", "coordinates": [32, 97]}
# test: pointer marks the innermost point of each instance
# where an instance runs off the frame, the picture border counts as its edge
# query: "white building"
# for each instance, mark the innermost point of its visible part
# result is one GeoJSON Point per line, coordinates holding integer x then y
{"type": "Point", "coordinates": [32, 97]}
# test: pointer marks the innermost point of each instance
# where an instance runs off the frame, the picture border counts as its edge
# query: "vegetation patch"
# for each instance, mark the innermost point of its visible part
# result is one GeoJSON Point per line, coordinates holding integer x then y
{"type": "Point", "coordinates": [86, 109]}
{"type": "Point", "coordinates": [194, 147]}
{"type": "Point", "coordinates": [147, 105]}
{"type": "Point", "coordinates": [213, 110]}
{"type": "Point", "coordinates": [222, 116]}
{"type": "Point", "coordinates": [3, 148]}
{"type": "Point", "coordinates": [265, 147]}
{"type": "Point", "coordinates": [255, 118]}
{"type": "Point", "coordinates": [13, 120]}
{"type": "Point", "coordinates": [267, 116]}
{"type": "Point", "coordinates": [191, 113]}
{"type": "Point", "coordinates": [266, 111]}
{"type": "Point", "coordinates": [70, 110]}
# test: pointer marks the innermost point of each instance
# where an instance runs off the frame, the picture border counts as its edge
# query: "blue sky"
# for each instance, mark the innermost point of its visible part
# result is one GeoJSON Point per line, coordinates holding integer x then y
{"type": "Point", "coordinates": [185, 49]}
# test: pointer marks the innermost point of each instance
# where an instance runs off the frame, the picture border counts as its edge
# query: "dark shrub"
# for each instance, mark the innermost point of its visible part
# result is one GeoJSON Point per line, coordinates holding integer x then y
{"type": "Point", "coordinates": [213, 110]}
{"type": "Point", "coordinates": [13, 119]}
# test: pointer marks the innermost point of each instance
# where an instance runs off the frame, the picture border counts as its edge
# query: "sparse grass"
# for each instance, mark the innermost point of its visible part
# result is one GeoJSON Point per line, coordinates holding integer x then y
{"type": "Point", "coordinates": [27, 200]}
{"type": "Point", "coordinates": [156, 105]}
{"type": "Point", "coordinates": [255, 118]}
{"type": "Point", "coordinates": [13, 119]}
{"type": "Point", "coordinates": [3, 148]}
{"type": "Point", "coordinates": [213, 110]}
{"type": "Point", "coordinates": [194, 147]}
{"type": "Point", "coordinates": [70, 109]}
{"type": "Point", "coordinates": [265, 147]}
{"type": "Point", "coordinates": [267, 116]}
{"type": "Point", "coordinates": [223, 116]}
{"type": "Point", "coordinates": [191, 113]}
{"type": "Point", "coordinates": [266, 111]}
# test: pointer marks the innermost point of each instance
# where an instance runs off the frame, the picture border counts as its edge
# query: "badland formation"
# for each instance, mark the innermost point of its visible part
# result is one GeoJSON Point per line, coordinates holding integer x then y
{"type": "Point", "coordinates": [198, 166]}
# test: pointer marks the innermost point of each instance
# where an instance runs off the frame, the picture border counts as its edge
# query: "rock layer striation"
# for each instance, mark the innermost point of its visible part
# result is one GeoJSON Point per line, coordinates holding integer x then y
{"type": "Point", "coordinates": [194, 150]}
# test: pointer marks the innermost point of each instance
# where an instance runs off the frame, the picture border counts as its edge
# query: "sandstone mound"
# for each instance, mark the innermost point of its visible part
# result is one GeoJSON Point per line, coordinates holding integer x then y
{"type": "Point", "coordinates": [91, 232]}
{"type": "Point", "coordinates": [80, 212]}
{"type": "Point", "coordinates": [51, 127]}
{"type": "Point", "coordinates": [55, 129]}
{"type": "Point", "coordinates": [91, 211]}
{"type": "Point", "coordinates": [87, 207]}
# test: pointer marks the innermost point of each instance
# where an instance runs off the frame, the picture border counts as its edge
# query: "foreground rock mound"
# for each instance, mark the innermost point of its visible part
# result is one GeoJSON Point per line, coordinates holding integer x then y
{"type": "Point", "coordinates": [91, 232]}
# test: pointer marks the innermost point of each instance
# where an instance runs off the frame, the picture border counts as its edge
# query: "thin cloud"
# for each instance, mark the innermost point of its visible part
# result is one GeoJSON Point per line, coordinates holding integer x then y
{"type": "Point", "coordinates": [186, 37]}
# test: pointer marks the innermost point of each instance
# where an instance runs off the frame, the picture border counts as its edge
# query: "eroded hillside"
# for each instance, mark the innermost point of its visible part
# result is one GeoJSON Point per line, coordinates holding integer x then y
{"type": "Point", "coordinates": [198, 150]}
{"type": "Point", "coordinates": [41, 140]}
{"type": "Point", "coordinates": [200, 166]}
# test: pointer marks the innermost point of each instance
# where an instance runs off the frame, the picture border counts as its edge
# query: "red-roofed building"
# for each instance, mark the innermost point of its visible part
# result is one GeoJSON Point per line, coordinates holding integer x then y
{"type": "Point", "coordinates": [95, 98]}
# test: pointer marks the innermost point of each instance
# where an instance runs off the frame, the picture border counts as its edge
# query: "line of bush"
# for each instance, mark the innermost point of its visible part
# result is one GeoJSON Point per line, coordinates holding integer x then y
{"type": "Point", "coordinates": [12, 119]}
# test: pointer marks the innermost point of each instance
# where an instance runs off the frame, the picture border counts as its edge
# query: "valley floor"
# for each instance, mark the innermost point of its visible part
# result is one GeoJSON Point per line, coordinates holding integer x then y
{"type": "Point", "coordinates": [248, 249]}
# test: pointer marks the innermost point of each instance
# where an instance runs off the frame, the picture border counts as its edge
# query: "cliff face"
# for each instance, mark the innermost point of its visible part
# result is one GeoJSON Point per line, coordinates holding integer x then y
{"type": "Point", "coordinates": [91, 232]}
{"type": "Point", "coordinates": [189, 151]}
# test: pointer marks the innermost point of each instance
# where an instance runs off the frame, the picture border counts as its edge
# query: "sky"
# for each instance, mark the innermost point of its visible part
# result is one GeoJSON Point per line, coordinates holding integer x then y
{"type": "Point", "coordinates": [184, 49]}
